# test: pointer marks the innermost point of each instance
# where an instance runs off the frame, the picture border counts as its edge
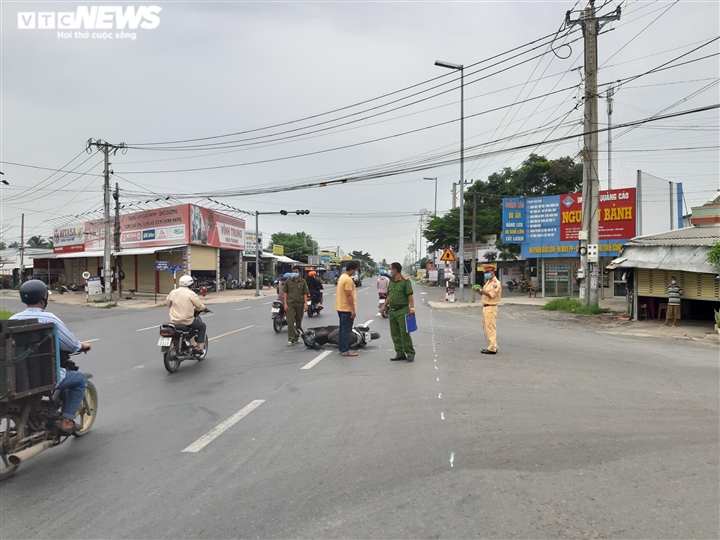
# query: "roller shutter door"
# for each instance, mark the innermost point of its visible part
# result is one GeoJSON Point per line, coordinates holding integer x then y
{"type": "Point", "coordinates": [146, 273]}
{"type": "Point", "coordinates": [174, 258]}
{"type": "Point", "coordinates": [203, 258]}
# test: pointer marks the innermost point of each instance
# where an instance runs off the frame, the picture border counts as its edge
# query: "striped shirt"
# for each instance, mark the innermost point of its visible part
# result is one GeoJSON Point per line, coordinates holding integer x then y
{"type": "Point", "coordinates": [674, 293]}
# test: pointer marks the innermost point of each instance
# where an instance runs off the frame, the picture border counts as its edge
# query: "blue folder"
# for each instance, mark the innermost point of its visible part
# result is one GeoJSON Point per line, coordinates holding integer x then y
{"type": "Point", "coordinates": [410, 322]}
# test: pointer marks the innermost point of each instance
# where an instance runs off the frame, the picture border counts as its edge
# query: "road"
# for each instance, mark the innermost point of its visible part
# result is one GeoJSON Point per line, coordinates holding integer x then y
{"type": "Point", "coordinates": [563, 434]}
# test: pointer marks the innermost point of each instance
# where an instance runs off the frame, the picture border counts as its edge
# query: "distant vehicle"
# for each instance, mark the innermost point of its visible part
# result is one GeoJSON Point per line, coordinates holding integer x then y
{"type": "Point", "coordinates": [358, 277]}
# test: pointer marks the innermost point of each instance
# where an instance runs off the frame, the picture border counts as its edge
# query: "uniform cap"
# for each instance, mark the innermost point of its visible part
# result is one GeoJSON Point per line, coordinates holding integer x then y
{"type": "Point", "coordinates": [489, 267]}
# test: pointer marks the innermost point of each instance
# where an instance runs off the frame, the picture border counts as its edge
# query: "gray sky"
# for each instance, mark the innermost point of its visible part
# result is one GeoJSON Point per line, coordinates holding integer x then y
{"type": "Point", "coordinates": [214, 68]}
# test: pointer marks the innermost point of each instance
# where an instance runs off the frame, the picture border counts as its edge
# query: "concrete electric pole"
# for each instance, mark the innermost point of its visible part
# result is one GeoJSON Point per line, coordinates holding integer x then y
{"type": "Point", "coordinates": [610, 93]}
{"type": "Point", "coordinates": [591, 183]}
{"type": "Point", "coordinates": [106, 148]}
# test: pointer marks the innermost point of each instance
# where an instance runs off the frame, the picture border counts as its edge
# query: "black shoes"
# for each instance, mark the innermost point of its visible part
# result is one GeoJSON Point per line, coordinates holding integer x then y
{"type": "Point", "coordinates": [398, 358]}
{"type": "Point", "coordinates": [410, 358]}
{"type": "Point", "coordinates": [486, 351]}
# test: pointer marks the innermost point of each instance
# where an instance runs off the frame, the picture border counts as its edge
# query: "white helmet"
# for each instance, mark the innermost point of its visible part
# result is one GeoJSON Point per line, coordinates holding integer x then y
{"type": "Point", "coordinates": [185, 281]}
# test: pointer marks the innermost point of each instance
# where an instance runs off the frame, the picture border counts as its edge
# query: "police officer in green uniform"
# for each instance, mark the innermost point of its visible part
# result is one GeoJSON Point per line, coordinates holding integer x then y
{"type": "Point", "coordinates": [400, 302]}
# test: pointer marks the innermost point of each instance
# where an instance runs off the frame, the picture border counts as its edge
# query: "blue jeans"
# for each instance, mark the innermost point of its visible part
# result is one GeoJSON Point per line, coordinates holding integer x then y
{"type": "Point", "coordinates": [74, 385]}
{"type": "Point", "coordinates": [346, 323]}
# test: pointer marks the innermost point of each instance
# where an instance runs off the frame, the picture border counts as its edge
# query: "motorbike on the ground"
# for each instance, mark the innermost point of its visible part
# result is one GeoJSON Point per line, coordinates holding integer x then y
{"type": "Point", "coordinates": [29, 425]}
{"type": "Point", "coordinates": [68, 288]}
{"type": "Point", "coordinates": [278, 316]}
{"type": "Point", "coordinates": [381, 302]}
{"type": "Point", "coordinates": [315, 338]}
{"type": "Point", "coordinates": [177, 343]}
{"type": "Point", "coordinates": [313, 308]}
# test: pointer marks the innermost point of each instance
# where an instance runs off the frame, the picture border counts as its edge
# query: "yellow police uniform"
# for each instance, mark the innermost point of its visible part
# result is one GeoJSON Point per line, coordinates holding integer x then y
{"type": "Point", "coordinates": [491, 299]}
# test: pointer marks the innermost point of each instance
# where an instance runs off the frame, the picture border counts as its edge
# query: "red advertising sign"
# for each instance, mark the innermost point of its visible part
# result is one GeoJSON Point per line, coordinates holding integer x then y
{"type": "Point", "coordinates": [174, 225]}
{"type": "Point", "coordinates": [616, 213]}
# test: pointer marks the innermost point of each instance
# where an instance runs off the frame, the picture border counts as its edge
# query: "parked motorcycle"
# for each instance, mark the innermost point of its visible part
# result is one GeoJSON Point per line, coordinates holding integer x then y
{"type": "Point", "coordinates": [313, 308]}
{"type": "Point", "coordinates": [68, 288]}
{"type": "Point", "coordinates": [381, 302]}
{"type": "Point", "coordinates": [249, 283]}
{"type": "Point", "coordinates": [278, 316]}
{"type": "Point", "coordinates": [29, 425]}
{"type": "Point", "coordinates": [315, 338]}
{"type": "Point", "coordinates": [522, 287]}
{"type": "Point", "coordinates": [177, 342]}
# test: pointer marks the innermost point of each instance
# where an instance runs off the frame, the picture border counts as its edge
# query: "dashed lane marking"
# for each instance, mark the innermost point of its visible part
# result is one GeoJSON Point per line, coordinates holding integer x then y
{"type": "Point", "coordinates": [148, 328]}
{"type": "Point", "coordinates": [316, 360]}
{"type": "Point", "coordinates": [91, 340]}
{"type": "Point", "coordinates": [233, 332]}
{"type": "Point", "coordinates": [206, 439]}
{"type": "Point", "coordinates": [240, 309]}
{"type": "Point", "coordinates": [368, 323]}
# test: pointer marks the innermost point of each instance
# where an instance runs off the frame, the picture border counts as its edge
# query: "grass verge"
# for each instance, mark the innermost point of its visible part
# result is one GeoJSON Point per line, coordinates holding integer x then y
{"type": "Point", "coordinates": [5, 314]}
{"type": "Point", "coordinates": [572, 305]}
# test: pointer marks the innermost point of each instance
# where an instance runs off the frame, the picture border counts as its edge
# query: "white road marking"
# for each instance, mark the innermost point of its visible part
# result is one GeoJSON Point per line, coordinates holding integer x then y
{"type": "Point", "coordinates": [316, 360]}
{"type": "Point", "coordinates": [240, 309]}
{"type": "Point", "coordinates": [157, 326]}
{"type": "Point", "coordinates": [208, 314]}
{"type": "Point", "coordinates": [423, 293]}
{"type": "Point", "coordinates": [91, 340]}
{"type": "Point", "coordinates": [206, 439]}
{"type": "Point", "coordinates": [363, 290]}
{"type": "Point", "coordinates": [266, 303]}
{"type": "Point", "coordinates": [368, 323]}
{"type": "Point", "coordinates": [452, 458]}
{"type": "Point", "coordinates": [233, 332]}
{"type": "Point", "coordinates": [442, 416]}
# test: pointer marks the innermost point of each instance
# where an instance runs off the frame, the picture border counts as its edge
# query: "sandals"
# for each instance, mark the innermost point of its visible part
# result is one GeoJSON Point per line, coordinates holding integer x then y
{"type": "Point", "coordinates": [67, 433]}
{"type": "Point", "coordinates": [350, 353]}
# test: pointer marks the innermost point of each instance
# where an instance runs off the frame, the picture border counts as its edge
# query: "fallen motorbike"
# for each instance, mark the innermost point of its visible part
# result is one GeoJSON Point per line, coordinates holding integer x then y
{"type": "Point", "coordinates": [313, 308]}
{"type": "Point", "coordinates": [278, 316]}
{"type": "Point", "coordinates": [381, 302]}
{"type": "Point", "coordinates": [315, 338]}
{"type": "Point", "coordinates": [29, 425]}
{"type": "Point", "coordinates": [177, 343]}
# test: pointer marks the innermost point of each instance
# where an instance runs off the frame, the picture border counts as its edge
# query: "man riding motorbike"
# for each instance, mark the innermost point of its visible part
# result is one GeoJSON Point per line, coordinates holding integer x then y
{"type": "Point", "coordinates": [315, 287]}
{"type": "Point", "coordinates": [34, 294]}
{"type": "Point", "coordinates": [383, 282]}
{"type": "Point", "coordinates": [183, 302]}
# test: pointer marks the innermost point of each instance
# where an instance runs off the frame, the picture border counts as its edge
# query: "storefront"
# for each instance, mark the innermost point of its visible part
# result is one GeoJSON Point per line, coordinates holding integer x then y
{"type": "Point", "coordinates": [188, 239]}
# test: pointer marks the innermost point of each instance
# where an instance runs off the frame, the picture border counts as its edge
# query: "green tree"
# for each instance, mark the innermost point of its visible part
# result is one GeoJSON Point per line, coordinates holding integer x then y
{"type": "Point", "coordinates": [365, 259]}
{"type": "Point", "coordinates": [298, 246]}
{"type": "Point", "coordinates": [384, 264]}
{"type": "Point", "coordinates": [713, 256]}
{"type": "Point", "coordinates": [2, 245]}
{"type": "Point", "coordinates": [14, 245]}
{"type": "Point", "coordinates": [38, 242]}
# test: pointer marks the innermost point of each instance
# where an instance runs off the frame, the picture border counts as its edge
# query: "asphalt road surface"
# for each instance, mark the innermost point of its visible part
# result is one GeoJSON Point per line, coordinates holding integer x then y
{"type": "Point", "coordinates": [563, 434]}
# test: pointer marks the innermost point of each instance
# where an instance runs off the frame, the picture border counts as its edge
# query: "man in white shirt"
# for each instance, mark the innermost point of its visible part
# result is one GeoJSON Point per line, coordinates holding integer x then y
{"type": "Point", "coordinates": [183, 303]}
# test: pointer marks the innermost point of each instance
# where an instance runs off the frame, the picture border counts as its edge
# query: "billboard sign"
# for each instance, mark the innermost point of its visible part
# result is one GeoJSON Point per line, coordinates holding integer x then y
{"type": "Point", "coordinates": [250, 243]}
{"type": "Point", "coordinates": [513, 221]}
{"type": "Point", "coordinates": [69, 238]}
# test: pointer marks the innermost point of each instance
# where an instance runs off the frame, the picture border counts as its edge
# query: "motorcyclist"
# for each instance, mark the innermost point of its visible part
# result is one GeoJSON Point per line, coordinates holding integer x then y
{"type": "Point", "coordinates": [315, 287]}
{"type": "Point", "coordinates": [183, 302]}
{"type": "Point", "coordinates": [34, 294]}
{"type": "Point", "coordinates": [382, 283]}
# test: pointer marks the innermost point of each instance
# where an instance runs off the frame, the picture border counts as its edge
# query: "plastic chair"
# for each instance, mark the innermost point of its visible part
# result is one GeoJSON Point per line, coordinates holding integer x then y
{"type": "Point", "coordinates": [662, 307]}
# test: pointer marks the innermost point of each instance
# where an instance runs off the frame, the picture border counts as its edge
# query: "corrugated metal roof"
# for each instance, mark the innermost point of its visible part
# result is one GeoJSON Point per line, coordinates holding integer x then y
{"type": "Point", "coordinates": [672, 258]}
{"type": "Point", "coordinates": [689, 236]}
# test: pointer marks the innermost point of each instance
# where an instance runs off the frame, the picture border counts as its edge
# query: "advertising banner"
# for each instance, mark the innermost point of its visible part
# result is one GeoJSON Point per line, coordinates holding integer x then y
{"type": "Point", "coordinates": [552, 224]}
{"type": "Point", "coordinates": [250, 243]}
{"type": "Point", "coordinates": [513, 221]}
{"type": "Point", "coordinates": [69, 238]}
{"type": "Point", "coordinates": [174, 225]}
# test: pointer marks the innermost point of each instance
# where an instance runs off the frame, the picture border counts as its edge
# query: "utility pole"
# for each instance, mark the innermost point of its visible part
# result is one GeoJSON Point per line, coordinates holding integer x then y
{"type": "Point", "coordinates": [106, 148]}
{"type": "Point", "coordinates": [22, 251]}
{"type": "Point", "coordinates": [473, 268]}
{"type": "Point", "coordinates": [454, 195]}
{"type": "Point", "coordinates": [589, 230]}
{"type": "Point", "coordinates": [610, 93]}
{"type": "Point", "coordinates": [118, 257]}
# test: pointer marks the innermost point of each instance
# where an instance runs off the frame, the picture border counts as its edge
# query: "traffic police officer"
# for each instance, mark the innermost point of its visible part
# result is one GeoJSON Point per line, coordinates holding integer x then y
{"type": "Point", "coordinates": [491, 292]}
{"type": "Point", "coordinates": [400, 302]}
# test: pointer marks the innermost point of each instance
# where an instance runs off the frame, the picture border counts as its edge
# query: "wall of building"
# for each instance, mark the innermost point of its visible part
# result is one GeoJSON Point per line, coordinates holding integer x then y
{"type": "Point", "coordinates": [695, 286]}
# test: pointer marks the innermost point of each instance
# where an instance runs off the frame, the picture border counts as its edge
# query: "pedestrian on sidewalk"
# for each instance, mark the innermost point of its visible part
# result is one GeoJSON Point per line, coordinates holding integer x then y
{"type": "Point", "coordinates": [673, 309]}
{"type": "Point", "coordinates": [346, 306]}
{"type": "Point", "coordinates": [491, 292]}
{"type": "Point", "coordinates": [296, 291]}
{"type": "Point", "coordinates": [400, 302]}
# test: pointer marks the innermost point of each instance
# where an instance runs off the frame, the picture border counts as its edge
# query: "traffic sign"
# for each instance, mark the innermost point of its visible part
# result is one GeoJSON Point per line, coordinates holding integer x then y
{"type": "Point", "coordinates": [86, 275]}
{"type": "Point", "coordinates": [448, 255]}
{"type": "Point", "coordinates": [161, 265]}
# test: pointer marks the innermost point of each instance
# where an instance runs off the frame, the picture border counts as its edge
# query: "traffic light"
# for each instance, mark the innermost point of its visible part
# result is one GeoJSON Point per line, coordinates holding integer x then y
{"type": "Point", "coordinates": [302, 212]}
{"type": "Point", "coordinates": [283, 212]}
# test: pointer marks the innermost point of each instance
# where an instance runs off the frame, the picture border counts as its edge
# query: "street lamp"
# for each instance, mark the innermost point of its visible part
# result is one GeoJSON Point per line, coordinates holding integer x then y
{"type": "Point", "coordinates": [460, 68]}
{"type": "Point", "coordinates": [257, 242]}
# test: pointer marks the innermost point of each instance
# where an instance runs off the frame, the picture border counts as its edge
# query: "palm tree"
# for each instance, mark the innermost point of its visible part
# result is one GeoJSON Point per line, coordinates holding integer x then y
{"type": "Point", "coordinates": [38, 242]}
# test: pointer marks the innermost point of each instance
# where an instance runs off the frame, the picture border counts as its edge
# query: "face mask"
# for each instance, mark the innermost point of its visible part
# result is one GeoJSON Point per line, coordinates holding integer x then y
{"type": "Point", "coordinates": [295, 275]}
{"type": "Point", "coordinates": [488, 276]}
{"type": "Point", "coordinates": [673, 282]}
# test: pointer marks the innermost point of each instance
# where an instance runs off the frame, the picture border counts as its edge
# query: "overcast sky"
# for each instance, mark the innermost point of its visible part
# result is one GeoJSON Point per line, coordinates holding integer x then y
{"type": "Point", "coordinates": [212, 68]}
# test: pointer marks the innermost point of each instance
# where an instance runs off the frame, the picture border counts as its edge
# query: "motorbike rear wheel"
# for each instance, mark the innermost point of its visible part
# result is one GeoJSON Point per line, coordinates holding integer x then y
{"type": "Point", "coordinates": [87, 410]}
{"type": "Point", "coordinates": [311, 311]}
{"type": "Point", "coordinates": [172, 364]}
{"type": "Point", "coordinates": [278, 324]}
{"type": "Point", "coordinates": [510, 287]}
{"type": "Point", "coordinates": [11, 431]}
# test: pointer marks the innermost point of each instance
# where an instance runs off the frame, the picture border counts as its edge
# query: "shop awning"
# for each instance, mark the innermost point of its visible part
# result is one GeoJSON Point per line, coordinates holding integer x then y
{"type": "Point", "coordinates": [671, 258]}
{"type": "Point", "coordinates": [80, 254]}
{"type": "Point", "coordinates": [132, 251]}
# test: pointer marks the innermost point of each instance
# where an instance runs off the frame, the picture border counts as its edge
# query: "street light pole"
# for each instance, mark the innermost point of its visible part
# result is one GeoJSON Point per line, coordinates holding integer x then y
{"type": "Point", "coordinates": [461, 239]}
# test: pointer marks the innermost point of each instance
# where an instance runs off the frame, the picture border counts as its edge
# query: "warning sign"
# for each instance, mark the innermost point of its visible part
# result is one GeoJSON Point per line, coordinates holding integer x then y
{"type": "Point", "coordinates": [448, 255]}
